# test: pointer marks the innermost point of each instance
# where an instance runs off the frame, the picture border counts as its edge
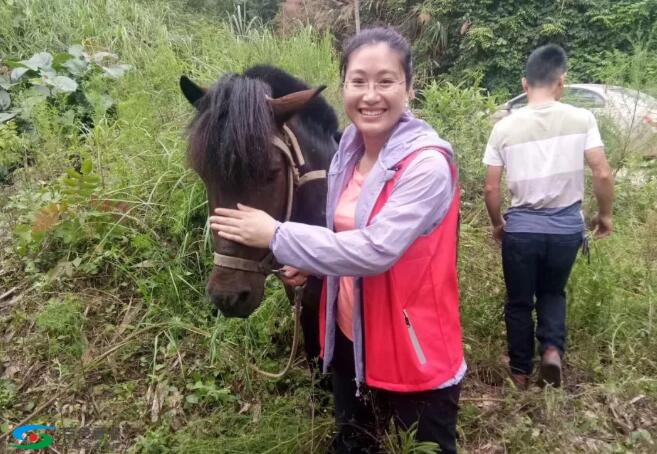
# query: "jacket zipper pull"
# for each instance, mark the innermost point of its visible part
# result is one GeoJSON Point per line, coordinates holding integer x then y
{"type": "Point", "coordinates": [359, 389]}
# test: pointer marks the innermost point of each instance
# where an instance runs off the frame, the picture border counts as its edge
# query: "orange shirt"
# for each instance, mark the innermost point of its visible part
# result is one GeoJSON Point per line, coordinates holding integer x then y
{"type": "Point", "coordinates": [344, 220]}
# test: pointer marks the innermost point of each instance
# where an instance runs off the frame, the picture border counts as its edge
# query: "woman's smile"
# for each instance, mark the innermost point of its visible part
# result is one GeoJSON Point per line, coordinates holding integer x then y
{"type": "Point", "coordinates": [372, 113]}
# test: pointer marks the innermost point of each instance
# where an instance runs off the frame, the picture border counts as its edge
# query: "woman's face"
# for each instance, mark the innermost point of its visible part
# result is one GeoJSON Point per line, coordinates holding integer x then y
{"type": "Point", "coordinates": [374, 91]}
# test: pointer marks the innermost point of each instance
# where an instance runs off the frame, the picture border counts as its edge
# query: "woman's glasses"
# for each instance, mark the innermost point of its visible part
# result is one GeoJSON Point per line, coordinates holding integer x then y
{"type": "Point", "coordinates": [362, 86]}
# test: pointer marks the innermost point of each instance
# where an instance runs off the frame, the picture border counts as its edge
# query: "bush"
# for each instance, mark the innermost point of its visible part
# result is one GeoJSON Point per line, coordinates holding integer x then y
{"type": "Point", "coordinates": [461, 115]}
{"type": "Point", "coordinates": [13, 151]}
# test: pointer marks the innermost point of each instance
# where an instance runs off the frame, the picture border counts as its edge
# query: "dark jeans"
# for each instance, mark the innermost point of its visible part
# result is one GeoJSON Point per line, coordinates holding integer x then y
{"type": "Point", "coordinates": [536, 265]}
{"type": "Point", "coordinates": [362, 420]}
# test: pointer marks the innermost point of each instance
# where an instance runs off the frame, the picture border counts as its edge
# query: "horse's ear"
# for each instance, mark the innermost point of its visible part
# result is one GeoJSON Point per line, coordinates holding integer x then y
{"type": "Point", "coordinates": [286, 106]}
{"type": "Point", "coordinates": [191, 91]}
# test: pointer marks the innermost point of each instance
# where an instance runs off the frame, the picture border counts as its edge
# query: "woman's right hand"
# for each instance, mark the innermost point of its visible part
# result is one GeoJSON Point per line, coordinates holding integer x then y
{"type": "Point", "coordinates": [292, 276]}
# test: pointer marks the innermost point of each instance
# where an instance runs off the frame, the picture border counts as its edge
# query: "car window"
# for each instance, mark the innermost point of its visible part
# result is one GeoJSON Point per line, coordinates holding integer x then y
{"type": "Point", "coordinates": [633, 94]}
{"type": "Point", "coordinates": [630, 96]}
{"type": "Point", "coordinates": [580, 97]}
{"type": "Point", "coordinates": [518, 102]}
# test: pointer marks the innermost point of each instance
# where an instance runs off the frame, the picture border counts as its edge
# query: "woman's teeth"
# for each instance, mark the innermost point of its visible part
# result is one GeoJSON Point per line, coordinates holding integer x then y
{"type": "Point", "coordinates": [371, 113]}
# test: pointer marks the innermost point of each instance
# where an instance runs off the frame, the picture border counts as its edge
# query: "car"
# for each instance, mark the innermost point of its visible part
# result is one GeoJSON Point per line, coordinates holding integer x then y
{"type": "Point", "coordinates": [631, 114]}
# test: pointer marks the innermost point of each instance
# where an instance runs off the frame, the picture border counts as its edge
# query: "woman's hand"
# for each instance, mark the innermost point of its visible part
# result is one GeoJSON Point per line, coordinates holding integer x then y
{"type": "Point", "coordinates": [293, 277]}
{"type": "Point", "coordinates": [245, 225]}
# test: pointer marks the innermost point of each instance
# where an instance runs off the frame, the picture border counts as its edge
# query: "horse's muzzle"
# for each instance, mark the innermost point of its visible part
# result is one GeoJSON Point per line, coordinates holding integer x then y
{"type": "Point", "coordinates": [239, 304]}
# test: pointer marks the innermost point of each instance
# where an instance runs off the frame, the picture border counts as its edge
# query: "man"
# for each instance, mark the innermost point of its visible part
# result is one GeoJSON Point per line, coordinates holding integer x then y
{"type": "Point", "coordinates": [542, 148]}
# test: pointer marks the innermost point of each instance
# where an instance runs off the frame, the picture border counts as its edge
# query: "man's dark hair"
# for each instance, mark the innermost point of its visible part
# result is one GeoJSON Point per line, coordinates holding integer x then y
{"type": "Point", "coordinates": [545, 65]}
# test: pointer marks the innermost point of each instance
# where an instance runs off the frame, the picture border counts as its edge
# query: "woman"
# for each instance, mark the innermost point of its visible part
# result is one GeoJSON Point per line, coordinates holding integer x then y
{"type": "Point", "coordinates": [390, 331]}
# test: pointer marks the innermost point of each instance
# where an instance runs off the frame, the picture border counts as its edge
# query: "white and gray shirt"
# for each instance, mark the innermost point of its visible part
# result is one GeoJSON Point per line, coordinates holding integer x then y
{"type": "Point", "coordinates": [541, 148]}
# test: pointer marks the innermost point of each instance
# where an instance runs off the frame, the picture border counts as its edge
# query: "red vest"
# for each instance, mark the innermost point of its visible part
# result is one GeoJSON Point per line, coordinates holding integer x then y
{"type": "Point", "coordinates": [411, 324]}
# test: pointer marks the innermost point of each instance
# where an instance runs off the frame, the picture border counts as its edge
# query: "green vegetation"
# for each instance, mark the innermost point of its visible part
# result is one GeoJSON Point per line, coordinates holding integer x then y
{"type": "Point", "coordinates": [61, 322]}
{"type": "Point", "coordinates": [487, 42]}
{"type": "Point", "coordinates": [103, 241]}
{"type": "Point", "coordinates": [12, 150]}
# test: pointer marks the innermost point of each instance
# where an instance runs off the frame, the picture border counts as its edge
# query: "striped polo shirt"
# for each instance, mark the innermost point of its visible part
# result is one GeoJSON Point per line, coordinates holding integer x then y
{"type": "Point", "coordinates": [541, 148]}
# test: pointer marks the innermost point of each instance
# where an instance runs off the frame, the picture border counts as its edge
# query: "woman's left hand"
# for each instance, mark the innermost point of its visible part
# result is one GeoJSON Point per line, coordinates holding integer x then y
{"type": "Point", "coordinates": [245, 225]}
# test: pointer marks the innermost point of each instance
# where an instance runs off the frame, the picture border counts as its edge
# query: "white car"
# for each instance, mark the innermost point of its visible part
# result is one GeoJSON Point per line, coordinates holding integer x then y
{"type": "Point", "coordinates": [632, 113]}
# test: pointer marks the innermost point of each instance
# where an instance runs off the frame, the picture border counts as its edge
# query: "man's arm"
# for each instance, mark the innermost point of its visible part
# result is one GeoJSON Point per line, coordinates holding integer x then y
{"type": "Point", "coordinates": [493, 199]}
{"type": "Point", "coordinates": [603, 188]}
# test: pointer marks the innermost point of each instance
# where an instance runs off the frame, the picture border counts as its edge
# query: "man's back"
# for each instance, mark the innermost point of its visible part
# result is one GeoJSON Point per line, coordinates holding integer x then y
{"type": "Point", "coordinates": [542, 150]}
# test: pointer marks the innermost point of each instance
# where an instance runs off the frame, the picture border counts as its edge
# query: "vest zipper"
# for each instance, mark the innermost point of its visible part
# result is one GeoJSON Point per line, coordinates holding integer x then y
{"type": "Point", "coordinates": [360, 386]}
{"type": "Point", "coordinates": [414, 340]}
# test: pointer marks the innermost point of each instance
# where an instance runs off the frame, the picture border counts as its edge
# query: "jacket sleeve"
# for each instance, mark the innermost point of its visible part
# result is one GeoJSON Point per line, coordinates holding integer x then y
{"type": "Point", "coordinates": [416, 205]}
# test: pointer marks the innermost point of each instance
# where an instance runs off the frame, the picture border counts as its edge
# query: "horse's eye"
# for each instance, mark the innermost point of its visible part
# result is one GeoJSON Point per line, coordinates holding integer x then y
{"type": "Point", "coordinates": [272, 175]}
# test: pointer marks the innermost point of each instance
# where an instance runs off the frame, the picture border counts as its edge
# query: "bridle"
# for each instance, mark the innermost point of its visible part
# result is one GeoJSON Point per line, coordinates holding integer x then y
{"type": "Point", "coordinates": [291, 151]}
{"type": "Point", "coordinates": [296, 177]}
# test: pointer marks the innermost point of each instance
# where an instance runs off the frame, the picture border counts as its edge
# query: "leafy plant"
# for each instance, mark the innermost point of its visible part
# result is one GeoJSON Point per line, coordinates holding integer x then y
{"type": "Point", "coordinates": [60, 213]}
{"type": "Point", "coordinates": [397, 441]}
{"type": "Point", "coordinates": [12, 150]}
{"type": "Point", "coordinates": [461, 115]}
{"type": "Point", "coordinates": [7, 393]}
{"type": "Point", "coordinates": [208, 393]}
{"type": "Point", "coordinates": [240, 24]}
{"type": "Point", "coordinates": [60, 73]}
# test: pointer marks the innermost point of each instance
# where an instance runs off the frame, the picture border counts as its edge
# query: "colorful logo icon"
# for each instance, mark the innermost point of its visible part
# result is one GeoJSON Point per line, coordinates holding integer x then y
{"type": "Point", "coordinates": [44, 442]}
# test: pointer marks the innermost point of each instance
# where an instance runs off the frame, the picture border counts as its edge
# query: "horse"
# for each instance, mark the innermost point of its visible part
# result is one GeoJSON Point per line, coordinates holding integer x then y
{"type": "Point", "coordinates": [264, 139]}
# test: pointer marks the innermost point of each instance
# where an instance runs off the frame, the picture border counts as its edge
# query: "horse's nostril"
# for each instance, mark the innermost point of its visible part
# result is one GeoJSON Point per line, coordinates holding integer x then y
{"type": "Point", "coordinates": [232, 304]}
{"type": "Point", "coordinates": [218, 302]}
{"type": "Point", "coordinates": [243, 296]}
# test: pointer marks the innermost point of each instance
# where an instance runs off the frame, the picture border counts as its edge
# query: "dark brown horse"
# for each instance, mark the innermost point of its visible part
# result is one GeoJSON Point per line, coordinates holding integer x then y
{"type": "Point", "coordinates": [243, 144]}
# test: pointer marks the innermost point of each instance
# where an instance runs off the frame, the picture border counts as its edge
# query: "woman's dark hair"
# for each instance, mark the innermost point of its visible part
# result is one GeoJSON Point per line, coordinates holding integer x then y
{"type": "Point", "coordinates": [378, 35]}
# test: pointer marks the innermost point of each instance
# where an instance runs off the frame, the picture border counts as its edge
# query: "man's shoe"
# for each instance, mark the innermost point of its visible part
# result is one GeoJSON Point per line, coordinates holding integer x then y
{"type": "Point", "coordinates": [521, 381]}
{"type": "Point", "coordinates": [550, 371]}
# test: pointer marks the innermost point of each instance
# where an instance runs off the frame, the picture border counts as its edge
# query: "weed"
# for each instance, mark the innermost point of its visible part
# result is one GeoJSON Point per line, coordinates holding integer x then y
{"type": "Point", "coordinates": [61, 321]}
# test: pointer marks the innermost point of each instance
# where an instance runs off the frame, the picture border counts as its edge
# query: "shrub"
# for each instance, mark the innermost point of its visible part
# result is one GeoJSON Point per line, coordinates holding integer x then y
{"type": "Point", "coordinates": [461, 115]}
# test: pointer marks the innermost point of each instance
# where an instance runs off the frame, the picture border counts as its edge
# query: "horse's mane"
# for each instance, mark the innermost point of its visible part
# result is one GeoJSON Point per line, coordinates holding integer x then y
{"type": "Point", "coordinates": [317, 114]}
{"type": "Point", "coordinates": [229, 138]}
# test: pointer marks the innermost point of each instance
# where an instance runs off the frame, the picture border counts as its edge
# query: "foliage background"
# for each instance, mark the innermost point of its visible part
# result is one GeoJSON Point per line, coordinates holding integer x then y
{"type": "Point", "coordinates": [486, 43]}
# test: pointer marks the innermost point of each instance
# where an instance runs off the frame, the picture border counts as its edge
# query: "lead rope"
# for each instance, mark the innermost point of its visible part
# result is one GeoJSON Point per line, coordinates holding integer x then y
{"type": "Point", "coordinates": [298, 295]}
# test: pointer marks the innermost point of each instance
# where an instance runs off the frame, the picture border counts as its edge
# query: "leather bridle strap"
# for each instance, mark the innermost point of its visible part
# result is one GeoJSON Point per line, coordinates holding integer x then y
{"type": "Point", "coordinates": [295, 161]}
{"type": "Point", "coordinates": [312, 175]}
{"type": "Point", "coordinates": [241, 264]}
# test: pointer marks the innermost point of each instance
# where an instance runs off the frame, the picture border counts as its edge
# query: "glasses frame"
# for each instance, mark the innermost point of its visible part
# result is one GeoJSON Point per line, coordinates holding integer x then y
{"type": "Point", "coordinates": [348, 86]}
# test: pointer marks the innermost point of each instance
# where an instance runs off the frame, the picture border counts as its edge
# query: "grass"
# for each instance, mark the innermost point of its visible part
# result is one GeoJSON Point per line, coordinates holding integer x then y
{"type": "Point", "coordinates": [108, 316]}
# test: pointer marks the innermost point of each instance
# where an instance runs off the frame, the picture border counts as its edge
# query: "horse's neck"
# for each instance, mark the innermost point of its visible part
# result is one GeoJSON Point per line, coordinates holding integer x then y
{"type": "Point", "coordinates": [318, 150]}
{"type": "Point", "coordinates": [317, 147]}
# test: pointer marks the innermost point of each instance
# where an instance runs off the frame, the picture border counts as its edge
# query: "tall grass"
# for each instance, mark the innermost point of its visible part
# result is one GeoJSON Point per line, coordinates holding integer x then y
{"type": "Point", "coordinates": [140, 265]}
